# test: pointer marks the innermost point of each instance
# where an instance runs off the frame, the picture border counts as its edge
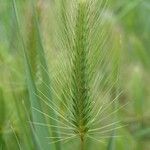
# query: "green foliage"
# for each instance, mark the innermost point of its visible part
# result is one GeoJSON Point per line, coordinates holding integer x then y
{"type": "Point", "coordinates": [2, 117]}
{"type": "Point", "coordinates": [74, 74]}
{"type": "Point", "coordinates": [39, 132]}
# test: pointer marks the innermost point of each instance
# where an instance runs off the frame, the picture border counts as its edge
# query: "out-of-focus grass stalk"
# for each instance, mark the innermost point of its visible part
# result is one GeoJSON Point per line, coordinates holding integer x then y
{"type": "Point", "coordinates": [2, 117]}
{"type": "Point", "coordinates": [45, 77]}
{"type": "Point", "coordinates": [138, 92]}
{"type": "Point", "coordinates": [40, 132]}
{"type": "Point", "coordinates": [115, 78]}
{"type": "Point", "coordinates": [19, 96]}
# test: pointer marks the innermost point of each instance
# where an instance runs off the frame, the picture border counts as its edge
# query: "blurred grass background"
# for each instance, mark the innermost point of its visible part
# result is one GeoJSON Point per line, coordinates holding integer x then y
{"type": "Point", "coordinates": [132, 23]}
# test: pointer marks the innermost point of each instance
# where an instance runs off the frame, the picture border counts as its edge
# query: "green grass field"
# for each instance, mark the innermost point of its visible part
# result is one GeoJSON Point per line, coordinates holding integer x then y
{"type": "Point", "coordinates": [74, 75]}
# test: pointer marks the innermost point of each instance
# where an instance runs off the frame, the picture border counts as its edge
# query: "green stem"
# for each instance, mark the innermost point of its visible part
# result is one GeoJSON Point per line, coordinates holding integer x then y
{"type": "Point", "coordinates": [82, 143]}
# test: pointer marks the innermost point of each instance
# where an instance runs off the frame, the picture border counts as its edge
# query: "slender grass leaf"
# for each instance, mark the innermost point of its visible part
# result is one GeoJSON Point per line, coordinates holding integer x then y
{"type": "Point", "coordinates": [40, 132]}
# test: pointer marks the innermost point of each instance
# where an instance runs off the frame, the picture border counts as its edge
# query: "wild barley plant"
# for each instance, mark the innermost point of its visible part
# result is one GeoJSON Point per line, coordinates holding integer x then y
{"type": "Point", "coordinates": [85, 76]}
{"type": "Point", "coordinates": [88, 62]}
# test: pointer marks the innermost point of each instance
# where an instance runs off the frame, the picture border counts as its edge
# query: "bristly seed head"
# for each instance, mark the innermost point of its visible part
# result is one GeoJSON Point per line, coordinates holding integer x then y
{"type": "Point", "coordinates": [80, 85]}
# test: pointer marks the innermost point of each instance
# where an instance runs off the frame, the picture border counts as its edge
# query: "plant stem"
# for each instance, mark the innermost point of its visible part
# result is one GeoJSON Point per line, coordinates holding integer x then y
{"type": "Point", "coordinates": [82, 143]}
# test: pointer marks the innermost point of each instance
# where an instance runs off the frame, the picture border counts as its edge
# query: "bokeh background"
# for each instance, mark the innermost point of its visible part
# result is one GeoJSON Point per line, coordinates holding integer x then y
{"type": "Point", "coordinates": [132, 22]}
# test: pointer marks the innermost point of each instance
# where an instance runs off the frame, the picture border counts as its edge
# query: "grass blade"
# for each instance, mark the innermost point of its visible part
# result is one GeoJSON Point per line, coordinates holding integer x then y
{"type": "Point", "coordinates": [45, 89]}
{"type": "Point", "coordinates": [40, 132]}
